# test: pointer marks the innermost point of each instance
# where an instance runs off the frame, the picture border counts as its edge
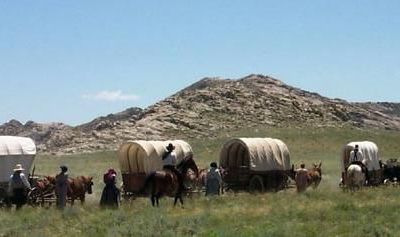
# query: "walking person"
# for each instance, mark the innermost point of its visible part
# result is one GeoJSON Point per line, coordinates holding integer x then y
{"type": "Point", "coordinates": [110, 197]}
{"type": "Point", "coordinates": [62, 187]}
{"type": "Point", "coordinates": [213, 180]}
{"type": "Point", "coordinates": [302, 178]}
{"type": "Point", "coordinates": [18, 187]}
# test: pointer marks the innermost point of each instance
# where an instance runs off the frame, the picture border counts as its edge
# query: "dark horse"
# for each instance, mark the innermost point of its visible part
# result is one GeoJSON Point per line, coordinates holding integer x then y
{"type": "Point", "coordinates": [165, 183]}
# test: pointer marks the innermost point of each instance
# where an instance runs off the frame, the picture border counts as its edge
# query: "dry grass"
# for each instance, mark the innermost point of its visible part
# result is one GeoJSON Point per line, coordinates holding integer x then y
{"type": "Point", "coordinates": [326, 211]}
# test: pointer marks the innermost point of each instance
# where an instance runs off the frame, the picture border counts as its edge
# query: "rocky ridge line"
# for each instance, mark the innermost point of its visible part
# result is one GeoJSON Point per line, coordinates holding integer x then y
{"type": "Point", "coordinates": [206, 108]}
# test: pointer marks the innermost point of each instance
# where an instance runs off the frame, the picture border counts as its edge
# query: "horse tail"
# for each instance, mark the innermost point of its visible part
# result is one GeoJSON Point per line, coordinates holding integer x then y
{"type": "Point", "coordinates": [351, 174]}
{"type": "Point", "coordinates": [148, 181]}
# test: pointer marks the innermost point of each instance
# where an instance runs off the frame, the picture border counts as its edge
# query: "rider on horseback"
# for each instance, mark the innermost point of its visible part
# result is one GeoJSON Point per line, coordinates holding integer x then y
{"type": "Point", "coordinates": [357, 157]}
{"type": "Point", "coordinates": [169, 162]}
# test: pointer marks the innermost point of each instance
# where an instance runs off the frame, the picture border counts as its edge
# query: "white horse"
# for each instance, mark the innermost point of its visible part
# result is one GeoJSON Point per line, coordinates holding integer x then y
{"type": "Point", "coordinates": [355, 178]}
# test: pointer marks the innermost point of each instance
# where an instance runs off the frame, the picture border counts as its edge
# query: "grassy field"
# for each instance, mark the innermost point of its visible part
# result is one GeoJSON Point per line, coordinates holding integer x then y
{"type": "Point", "coordinates": [327, 211]}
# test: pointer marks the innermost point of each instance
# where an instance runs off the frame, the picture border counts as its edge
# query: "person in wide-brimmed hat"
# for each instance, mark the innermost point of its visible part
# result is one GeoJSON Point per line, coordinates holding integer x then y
{"type": "Point", "coordinates": [62, 187]}
{"type": "Point", "coordinates": [170, 147]}
{"type": "Point", "coordinates": [18, 186]}
{"type": "Point", "coordinates": [169, 162]}
{"type": "Point", "coordinates": [18, 167]}
{"type": "Point", "coordinates": [169, 157]}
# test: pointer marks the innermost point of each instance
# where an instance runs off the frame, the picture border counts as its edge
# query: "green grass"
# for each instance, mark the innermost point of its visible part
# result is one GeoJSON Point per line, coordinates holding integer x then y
{"type": "Point", "coordinates": [327, 211]}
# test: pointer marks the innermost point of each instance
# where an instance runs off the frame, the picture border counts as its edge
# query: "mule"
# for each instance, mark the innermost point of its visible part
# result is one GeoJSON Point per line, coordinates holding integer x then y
{"type": "Point", "coordinates": [165, 183]}
{"type": "Point", "coordinates": [315, 175]}
{"type": "Point", "coordinates": [312, 177]}
{"type": "Point", "coordinates": [355, 178]}
{"type": "Point", "coordinates": [197, 181]}
{"type": "Point", "coordinates": [78, 187]}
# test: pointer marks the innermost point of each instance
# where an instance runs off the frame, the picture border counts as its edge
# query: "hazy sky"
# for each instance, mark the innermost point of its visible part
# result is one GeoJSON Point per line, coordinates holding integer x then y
{"type": "Point", "coordinates": [71, 61]}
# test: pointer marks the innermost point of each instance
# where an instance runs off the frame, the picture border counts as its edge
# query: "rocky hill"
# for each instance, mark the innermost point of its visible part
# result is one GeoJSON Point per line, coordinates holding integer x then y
{"type": "Point", "coordinates": [206, 108]}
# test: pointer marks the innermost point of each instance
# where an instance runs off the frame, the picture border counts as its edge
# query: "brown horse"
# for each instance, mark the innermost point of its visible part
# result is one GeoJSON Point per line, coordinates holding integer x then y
{"type": "Point", "coordinates": [165, 183]}
{"type": "Point", "coordinates": [42, 188]}
{"type": "Point", "coordinates": [315, 175]}
{"type": "Point", "coordinates": [51, 179]}
{"type": "Point", "coordinates": [78, 187]}
{"type": "Point", "coordinates": [44, 184]}
{"type": "Point", "coordinates": [196, 181]}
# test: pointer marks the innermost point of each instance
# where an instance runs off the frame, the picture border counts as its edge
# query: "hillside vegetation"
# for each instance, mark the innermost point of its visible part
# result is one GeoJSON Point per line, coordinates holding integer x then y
{"type": "Point", "coordinates": [327, 211]}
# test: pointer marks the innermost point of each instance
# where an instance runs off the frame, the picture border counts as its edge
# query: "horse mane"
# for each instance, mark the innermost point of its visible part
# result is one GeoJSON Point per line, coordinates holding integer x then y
{"type": "Point", "coordinates": [182, 164]}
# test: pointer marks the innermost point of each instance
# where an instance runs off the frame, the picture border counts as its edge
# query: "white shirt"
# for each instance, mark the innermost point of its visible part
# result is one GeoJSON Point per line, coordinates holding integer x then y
{"type": "Point", "coordinates": [360, 156]}
{"type": "Point", "coordinates": [170, 159]}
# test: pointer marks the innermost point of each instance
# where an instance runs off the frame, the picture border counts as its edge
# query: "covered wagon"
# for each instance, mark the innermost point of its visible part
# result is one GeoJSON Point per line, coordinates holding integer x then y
{"type": "Point", "coordinates": [139, 158]}
{"type": "Point", "coordinates": [371, 157]}
{"type": "Point", "coordinates": [13, 151]}
{"type": "Point", "coordinates": [255, 163]}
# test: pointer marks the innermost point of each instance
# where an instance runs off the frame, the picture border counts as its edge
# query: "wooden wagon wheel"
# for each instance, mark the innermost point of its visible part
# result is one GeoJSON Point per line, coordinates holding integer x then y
{"type": "Point", "coordinates": [34, 197]}
{"type": "Point", "coordinates": [256, 184]}
{"type": "Point", "coordinates": [3, 196]}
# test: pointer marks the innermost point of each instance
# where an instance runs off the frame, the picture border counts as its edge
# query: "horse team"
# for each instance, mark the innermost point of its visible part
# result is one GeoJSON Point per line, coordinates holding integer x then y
{"type": "Point", "coordinates": [44, 189]}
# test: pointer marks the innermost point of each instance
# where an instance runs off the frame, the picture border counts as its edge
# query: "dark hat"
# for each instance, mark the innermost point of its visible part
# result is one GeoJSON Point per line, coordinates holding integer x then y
{"type": "Point", "coordinates": [111, 171]}
{"type": "Point", "coordinates": [214, 165]}
{"type": "Point", "coordinates": [170, 147]}
{"type": "Point", "coordinates": [356, 146]}
{"type": "Point", "coordinates": [64, 168]}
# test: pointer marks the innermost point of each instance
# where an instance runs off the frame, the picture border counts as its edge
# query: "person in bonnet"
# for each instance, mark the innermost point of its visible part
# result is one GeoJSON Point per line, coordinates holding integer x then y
{"type": "Point", "coordinates": [110, 197]}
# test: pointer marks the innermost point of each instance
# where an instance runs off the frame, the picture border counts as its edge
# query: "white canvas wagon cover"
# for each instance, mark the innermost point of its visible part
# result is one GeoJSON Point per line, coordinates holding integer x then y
{"type": "Point", "coordinates": [146, 156]}
{"type": "Point", "coordinates": [369, 151]}
{"type": "Point", "coordinates": [15, 150]}
{"type": "Point", "coordinates": [259, 154]}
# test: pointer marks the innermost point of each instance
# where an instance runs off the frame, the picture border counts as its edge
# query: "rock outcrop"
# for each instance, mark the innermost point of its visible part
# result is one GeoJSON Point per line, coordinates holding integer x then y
{"type": "Point", "coordinates": [206, 108]}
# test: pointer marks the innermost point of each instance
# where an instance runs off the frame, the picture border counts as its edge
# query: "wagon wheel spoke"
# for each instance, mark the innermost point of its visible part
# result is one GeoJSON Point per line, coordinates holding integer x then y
{"type": "Point", "coordinates": [256, 184]}
{"type": "Point", "coordinates": [34, 197]}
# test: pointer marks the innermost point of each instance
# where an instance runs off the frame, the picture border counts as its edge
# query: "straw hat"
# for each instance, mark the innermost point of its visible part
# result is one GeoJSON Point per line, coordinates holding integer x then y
{"type": "Point", "coordinates": [18, 167]}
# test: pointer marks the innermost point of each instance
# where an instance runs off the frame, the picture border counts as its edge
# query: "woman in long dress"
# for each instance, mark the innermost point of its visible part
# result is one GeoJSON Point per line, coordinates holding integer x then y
{"type": "Point", "coordinates": [110, 197]}
{"type": "Point", "coordinates": [61, 188]}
